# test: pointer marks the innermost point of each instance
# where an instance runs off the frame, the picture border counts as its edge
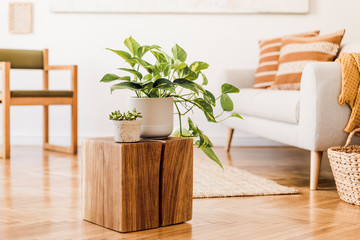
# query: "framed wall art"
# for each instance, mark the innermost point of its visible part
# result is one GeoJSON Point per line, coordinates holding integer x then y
{"type": "Point", "coordinates": [181, 6]}
{"type": "Point", "coordinates": [20, 17]}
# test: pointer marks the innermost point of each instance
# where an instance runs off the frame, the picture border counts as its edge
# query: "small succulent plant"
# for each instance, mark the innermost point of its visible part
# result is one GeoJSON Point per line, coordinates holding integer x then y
{"type": "Point", "coordinates": [129, 116]}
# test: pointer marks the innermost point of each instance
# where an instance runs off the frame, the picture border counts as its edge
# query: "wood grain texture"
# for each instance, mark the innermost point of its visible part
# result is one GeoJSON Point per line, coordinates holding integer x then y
{"type": "Point", "coordinates": [128, 177]}
{"type": "Point", "coordinates": [132, 173]}
{"type": "Point", "coordinates": [176, 182]}
{"type": "Point", "coordinates": [40, 199]}
{"type": "Point", "coordinates": [57, 148]}
{"type": "Point", "coordinates": [93, 181]}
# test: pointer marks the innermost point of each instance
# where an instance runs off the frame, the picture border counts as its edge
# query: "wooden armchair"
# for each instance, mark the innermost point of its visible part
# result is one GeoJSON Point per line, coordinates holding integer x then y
{"type": "Point", "coordinates": [29, 59]}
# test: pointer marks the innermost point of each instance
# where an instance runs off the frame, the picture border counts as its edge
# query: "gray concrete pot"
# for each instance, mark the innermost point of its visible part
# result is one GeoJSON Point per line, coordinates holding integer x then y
{"type": "Point", "coordinates": [157, 116]}
{"type": "Point", "coordinates": [127, 131]}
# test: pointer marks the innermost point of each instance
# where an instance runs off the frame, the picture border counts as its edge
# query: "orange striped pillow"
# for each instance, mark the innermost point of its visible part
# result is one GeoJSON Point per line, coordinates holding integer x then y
{"type": "Point", "coordinates": [268, 62]}
{"type": "Point", "coordinates": [296, 52]}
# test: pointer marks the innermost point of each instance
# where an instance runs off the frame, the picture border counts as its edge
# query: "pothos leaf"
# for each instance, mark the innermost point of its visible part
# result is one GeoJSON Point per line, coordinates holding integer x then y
{"type": "Point", "coordinates": [206, 108]}
{"type": "Point", "coordinates": [205, 80]}
{"type": "Point", "coordinates": [159, 56]}
{"type": "Point", "coordinates": [236, 115]}
{"type": "Point", "coordinates": [154, 93]}
{"type": "Point", "coordinates": [113, 77]}
{"type": "Point", "coordinates": [147, 77]}
{"type": "Point", "coordinates": [132, 45]}
{"type": "Point", "coordinates": [185, 133]}
{"type": "Point", "coordinates": [209, 97]}
{"type": "Point", "coordinates": [163, 83]}
{"type": "Point", "coordinates": [188, 74]}
{"type": "Point", "coordinates": [210, 153]}
{"type": "Point", "coordinates": [204, 140]}
{"type": "Point", "coordinates": [143, 63]}
{"type": "Point", "coordinates": [187, 84]}
{"type": "Point", "coordinates": [136, 73]}
{"type": "Point", "coordinates": [123, 54]}
{"type": "Point", "coordinates": [226, 103]}
{"type": "Point", "coordinates": [191, 124]}
{"type": "Point", "coordinates": [178, 65]}
{"type": "Point", "coordinates": [179, 53]}
{"type": "Point", "coordinates": [228, 88]}
{"type": "Point", "coordinates": [148, 86]}
{"type": "Point", "coordinates": [126, 85]}
{"type": "Point", "coordinates": [144, 49]}
{"type": "Point", "coordinates": [198, 66]}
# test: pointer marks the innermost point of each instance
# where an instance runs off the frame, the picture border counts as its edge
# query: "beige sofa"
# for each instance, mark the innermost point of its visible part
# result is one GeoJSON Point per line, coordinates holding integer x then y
{"type": "Point", "coordinates": [310, 118]}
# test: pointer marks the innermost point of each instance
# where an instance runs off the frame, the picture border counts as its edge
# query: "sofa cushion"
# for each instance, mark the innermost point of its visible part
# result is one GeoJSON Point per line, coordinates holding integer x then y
{"type": "Point", "coordinates": [268, 60]}
{"type": "Point", "coordinates": [39, 93]}
{"type": "Point", "coordinates": [296, 52]}
{"type": "Point", "coordinates": [275, 105]}
{"type": "Point", "coordinates": [23, 59]}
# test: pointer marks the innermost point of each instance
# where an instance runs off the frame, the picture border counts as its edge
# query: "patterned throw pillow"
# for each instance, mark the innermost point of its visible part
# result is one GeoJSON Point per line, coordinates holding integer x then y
{"type": "Point", "coordinates": [296, 52]}
{"type": "Point", "coordinates": [268, 62]}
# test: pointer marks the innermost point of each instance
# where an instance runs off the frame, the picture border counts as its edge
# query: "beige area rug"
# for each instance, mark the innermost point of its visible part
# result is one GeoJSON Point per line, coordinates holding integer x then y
{"type": "Point", "coordinates": [210, 181]}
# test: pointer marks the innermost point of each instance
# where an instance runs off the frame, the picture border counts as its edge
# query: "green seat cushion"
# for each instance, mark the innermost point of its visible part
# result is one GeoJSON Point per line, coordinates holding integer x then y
{"type": "Point", "coordinates": [23, 59]}
{"type": "Point", "coordinates": [41, 93]}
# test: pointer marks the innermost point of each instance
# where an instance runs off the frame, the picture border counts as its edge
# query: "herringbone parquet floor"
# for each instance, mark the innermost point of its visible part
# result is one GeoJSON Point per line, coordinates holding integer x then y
{"type": "Point", "coordinates": [40, 199]}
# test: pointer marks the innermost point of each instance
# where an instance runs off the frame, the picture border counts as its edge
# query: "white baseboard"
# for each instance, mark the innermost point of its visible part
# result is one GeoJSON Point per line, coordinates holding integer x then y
{"type": "Point", "coordinates": [218, 141]}
{"type": "Point", "coordinates": [37, 140]}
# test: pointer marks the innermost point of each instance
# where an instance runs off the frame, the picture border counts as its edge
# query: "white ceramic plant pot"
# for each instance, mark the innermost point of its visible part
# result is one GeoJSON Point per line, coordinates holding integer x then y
{"type": "Point", "coordinates": [127, 131]}
{"type": "Point", "coordinates": [157, 116]}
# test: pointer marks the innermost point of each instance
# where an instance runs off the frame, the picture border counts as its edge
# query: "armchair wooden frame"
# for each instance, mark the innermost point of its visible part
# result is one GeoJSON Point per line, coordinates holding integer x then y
{"type": "Point", "coordinates": [7, 100]}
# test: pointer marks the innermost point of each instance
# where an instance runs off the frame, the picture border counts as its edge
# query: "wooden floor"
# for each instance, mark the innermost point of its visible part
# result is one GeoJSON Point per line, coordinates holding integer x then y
{"type": "Point", "coordinates": [40, 199]}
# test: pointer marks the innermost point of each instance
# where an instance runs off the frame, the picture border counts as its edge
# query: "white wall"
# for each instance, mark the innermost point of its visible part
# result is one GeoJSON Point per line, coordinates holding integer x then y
{"type": "Point", "coordinates": [224, 41]}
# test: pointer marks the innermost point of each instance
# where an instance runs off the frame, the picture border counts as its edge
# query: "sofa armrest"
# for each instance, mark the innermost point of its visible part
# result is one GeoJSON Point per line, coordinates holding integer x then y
{"type": "Point", "coordinates": [322, 118]}
{"type": "Point", "coordinates": [240, 78]}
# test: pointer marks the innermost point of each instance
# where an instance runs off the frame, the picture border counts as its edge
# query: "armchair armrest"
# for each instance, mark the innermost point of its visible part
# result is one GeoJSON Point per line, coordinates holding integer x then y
{"type": "Point", "coordinates": [73, 69]}
{"type": "Point", "coordinates": [60, 67]}
{"type": "Point", "coordinates": [322, 118]}
{"type": "Point", "coordinates": [240, 78]}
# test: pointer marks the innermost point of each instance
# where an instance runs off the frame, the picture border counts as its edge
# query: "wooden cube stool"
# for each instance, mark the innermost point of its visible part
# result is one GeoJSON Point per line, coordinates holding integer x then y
{"type": "Point", "coordinates": [135, 186]}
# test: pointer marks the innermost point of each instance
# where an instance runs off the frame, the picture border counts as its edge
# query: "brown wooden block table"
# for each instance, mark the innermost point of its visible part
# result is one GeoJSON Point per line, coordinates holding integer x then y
{"type": "Point", "coordinates": [135, 186]}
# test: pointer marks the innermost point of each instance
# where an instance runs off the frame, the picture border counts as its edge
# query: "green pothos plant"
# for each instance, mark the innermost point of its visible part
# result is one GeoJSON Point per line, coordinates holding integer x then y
{"type": "Point", "coordinates": [170, 76]}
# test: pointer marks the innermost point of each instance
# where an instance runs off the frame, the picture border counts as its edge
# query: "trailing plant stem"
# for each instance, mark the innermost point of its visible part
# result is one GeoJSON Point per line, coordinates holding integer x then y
{"type": "Point", "coordinates": [179, 113]}
{"type": "Point", "coordinates": [188, 110]}
{"type": "Point", "coordinates": [220, 114]}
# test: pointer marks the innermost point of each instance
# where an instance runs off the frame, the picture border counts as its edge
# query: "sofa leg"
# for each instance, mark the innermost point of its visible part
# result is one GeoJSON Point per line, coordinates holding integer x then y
{"type": "Point", "coordinates": [315, 163]}
{"type": "Point", "coordinates": [228, 142]}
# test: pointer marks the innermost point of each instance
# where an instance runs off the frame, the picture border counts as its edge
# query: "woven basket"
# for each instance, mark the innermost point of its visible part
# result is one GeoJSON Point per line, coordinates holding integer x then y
{"type": "Point", "coordinates": [345, 165]}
